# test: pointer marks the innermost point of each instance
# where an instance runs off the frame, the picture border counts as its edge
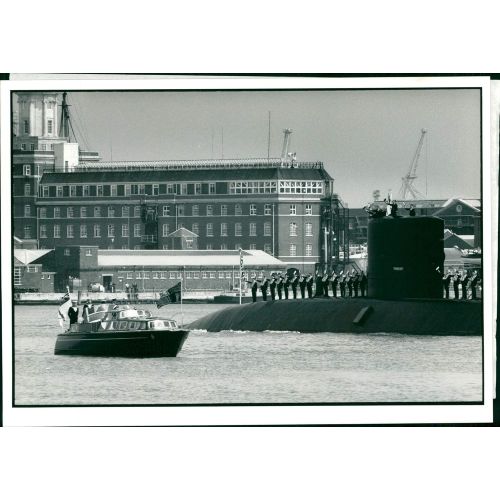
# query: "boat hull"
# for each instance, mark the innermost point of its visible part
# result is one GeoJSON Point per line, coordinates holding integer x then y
{"type": "Point", "coordinates": [135, 344]}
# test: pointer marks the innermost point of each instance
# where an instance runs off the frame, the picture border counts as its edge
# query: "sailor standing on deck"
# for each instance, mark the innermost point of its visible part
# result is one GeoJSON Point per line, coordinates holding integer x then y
{"type": "Point", "coordinates": [456, 281]}
{"type": "Point", "coordinates": [342, 283]}
{"type": "Point", "coordinates": [334, 280]}
{"type": "Point", "coordinates": [464, 282]}
{"type": "Point", "coordinates": [73, 313]}
{"type": "Point", "coordinates": [324, 283]}
{"type": "Point", "coordinates": [319, 285]}
{"type": "Point", "coordinates": [446, 284]}
{"type": "Point", "coordinates": [302, 286]}
{"type": "Point", "coordinates": [254, 284]}
{"type": "Point", "coordinates": [279, 286]}
{"type": "Point", "coordinates": [363, 281]}
{"type": "Point", "coordinates": [263, 288]}
{"type": "Point", "coordinates": [294, 282]}
{"type": "Point", "coordinates": [272, 286]}
{"type": "Point", "coordinates": [309, 285]}
{"type": "Point", "coordinates": [286, 284]}
{"type": "Point", "coordinates": [355, 282]}
{"type": "Point", "coordinates": [348, 281]}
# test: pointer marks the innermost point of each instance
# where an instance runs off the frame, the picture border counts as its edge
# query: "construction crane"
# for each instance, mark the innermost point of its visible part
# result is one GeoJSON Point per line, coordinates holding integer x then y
{"type": "Point", "coordinates": [407, 186]}
{"type": "Point", "coordinates": [286, 145]}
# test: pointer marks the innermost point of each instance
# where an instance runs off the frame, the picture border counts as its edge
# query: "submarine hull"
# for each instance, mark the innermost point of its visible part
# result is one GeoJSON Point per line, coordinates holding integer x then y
{"type": "Point", "coordinates": [354, 315]}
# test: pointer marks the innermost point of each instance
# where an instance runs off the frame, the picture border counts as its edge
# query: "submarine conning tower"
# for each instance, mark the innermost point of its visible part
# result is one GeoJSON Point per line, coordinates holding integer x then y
{"type": "Point", "coordinates": [405, 257]}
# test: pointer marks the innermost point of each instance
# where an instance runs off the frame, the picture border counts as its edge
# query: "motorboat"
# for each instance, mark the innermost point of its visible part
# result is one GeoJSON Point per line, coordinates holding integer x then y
{"type": "Point", "coordinates": [122, 330]}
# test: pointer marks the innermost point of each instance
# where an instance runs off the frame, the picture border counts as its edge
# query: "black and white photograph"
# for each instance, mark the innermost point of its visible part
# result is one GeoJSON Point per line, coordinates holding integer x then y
{"type": "Point", "coordinates": [279, 245]}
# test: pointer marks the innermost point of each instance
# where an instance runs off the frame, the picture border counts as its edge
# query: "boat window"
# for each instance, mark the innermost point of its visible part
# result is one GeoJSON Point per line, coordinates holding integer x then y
{"type": "Point", "coordinates": [123, 325]}
{"type": "Point", "coordinates": [132, 325]}
{"type": "Point", "coordinates": [142, 325]}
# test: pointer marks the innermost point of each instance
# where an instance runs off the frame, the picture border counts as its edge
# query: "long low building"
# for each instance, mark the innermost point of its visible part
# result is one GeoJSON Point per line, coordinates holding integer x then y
{"type": "Point", "coordinates": [153, 270]}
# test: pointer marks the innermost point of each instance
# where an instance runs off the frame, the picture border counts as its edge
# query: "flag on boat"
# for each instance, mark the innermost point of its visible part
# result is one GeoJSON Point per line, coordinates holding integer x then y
{"type": "Point", "coordinates": [171, 295]}
{"type": "Point", "coordinates": [63, 309]}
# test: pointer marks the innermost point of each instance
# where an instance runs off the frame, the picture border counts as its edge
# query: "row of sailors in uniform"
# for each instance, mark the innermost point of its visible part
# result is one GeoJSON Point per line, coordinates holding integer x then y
{"type": "Point", "coordinates": [460, 281]}
{"type": "Point", "coordinates": [278, 285]}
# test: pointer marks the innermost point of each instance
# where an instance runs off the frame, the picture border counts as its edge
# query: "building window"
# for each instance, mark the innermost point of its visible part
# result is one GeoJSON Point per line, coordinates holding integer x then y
{"type": "Point", "coordinates": [44, 148]}
{"type": "Point", "coordinates": [267, 248]}
{"type": "Point", "coordinates": [125, 211]}
{"type": "Point", "coordinates": [114, 190]}
{"type": "Point", "coordinates": [52, 147]}
{"type": "Point", "coordinates": [57, 231]}
{"type": "Point", "coordinates": [309, 229]}
{"type": "Point", "coordinates": [171, 189]}
{"type": "Point", "coordinates": [237, 246]}
{"type": "Point", "coordinates": [145, 275]}
{"type": "Point", "coordinates": [70, 231]}
{"type": "Point", "coordinates": [45, 191]}
{"type": "Point", "coordinates": [209, 246]}
{"type": "Point", "coordinates": [26, 169]}
{"type": "Point", "coordinates": [59, 191]}
{"type": "Point", "coordinates": [86, 190]}
{"type": "Point", "coordinates": [180, 210]}
{"type": "Point", "coordinates": [156, 189]}
{"type": "Point", "coordinates": [253, 229]}
{"type": "Point", "coordinates": [223, 229]}
{"type": "Point", "coordinates": [97, 231]}
{"type": "Point", "coordinates": [210, 210]}
{"type": "Point", "coordinates": [26, 127]}
{"type": "Point", "coordinates": [43, 213]}
{"type": "Point", "coordinates": [293, 229]}
{"type": "Point", "coordinates": [17, 276]}
{"type": "Point", "coordinates": [195, 228]}
{"type": "Point", "coordinates": [88, 252]}
{"type": "Point", "coordinates": [111, 212]}
{"type": "Point", "coordinates": [69, 212]}
{"type": "Point", "coordinates": [43, 231]}
{"type": "Point", "coordinates": [223, 209]}
{"type": "Point", "coordinates": [223, 246]}
{"type": "Point", "coordinates": [267, 209]}
{"type": "Point", "coordinates": [27, 232]}
{"type": "Point", "coordinates": [165, 230]}
{"type": "Point", "coordinates": [155, 275]}
{"type": "Point", "coordinates": [23, 147]}
{"type": "Point", "coordinates": [111, 230]}
{"type": "Point", "coordinates": [99, 190]}
{"type": "Point", "coordinates": [210, 229]}
{"type": "Point", "coordinates": [49, 126]}
{"type": "Point", "coordinates": [189, 242]}
{"type": "Point", "coordinates": [83, 212]}
{"type": "Point", "coordinates": [237, 229]}
{"type": "Point", "coordinates": [253, 209]}
{"type": "Point", "coordinates": [197, 188]}
{"type": "Point", "coordinates": [72, 191]}
{"type": "Point", "coordinates": [253, 246]}
{"type": "Point", "coordinates": [125, 230]}
{"type": "Point", "coordinates": [97, 211]}
{"type": "Point", "coordinates": [27, 210]}
{"type": "Point", "coordinates": [166, 210]}
{"type": "Point", "coordinates": [211, 188]}
{"type": "Point", "coordinates": [32, 147]}
{"type": "Point", "coordinates": [195, 210]}
{"type": "Point", "coordinates": [293, 209]}
{"type": "Point", "coordinates": [137, 230]}
{"type": "Point", "coordinates": [137, 211]}
{"type": "Point", "coordinates": [309, 250]}
{"type": "Point", "coordinates": [57, 212]}
{"type": "Point", "coordinates": [83, 231]}
{"type": "Point", "coordinates": [141, 189]}
{"type": "Point", "coordinates": [27, 189]}
{"type": "Point", "coordinates": [309, 209]}
{"type": "Point", "coordinates": [267, 229]}
{"type": "Point", "coordinates": [237, 209]}
{"type": "Point", "coordinates": [293, 250]}
{"type": "Point", "coordinates": [184, 188]}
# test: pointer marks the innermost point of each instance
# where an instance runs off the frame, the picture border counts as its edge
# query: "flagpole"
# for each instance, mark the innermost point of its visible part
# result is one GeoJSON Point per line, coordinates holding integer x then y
{"type": "Point", "coordinates": [182, 295]}
{"type": "Point", "coordinates": [241, 271]}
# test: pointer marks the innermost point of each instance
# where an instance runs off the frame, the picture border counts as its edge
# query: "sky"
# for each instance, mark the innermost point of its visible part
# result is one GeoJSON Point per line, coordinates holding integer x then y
{"type": "Point", "coordinates": [365, 138]}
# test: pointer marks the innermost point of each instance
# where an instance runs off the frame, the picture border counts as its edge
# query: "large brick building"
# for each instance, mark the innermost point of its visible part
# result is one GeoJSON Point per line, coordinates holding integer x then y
{"type": "Point", "coordinates": [289, 211]}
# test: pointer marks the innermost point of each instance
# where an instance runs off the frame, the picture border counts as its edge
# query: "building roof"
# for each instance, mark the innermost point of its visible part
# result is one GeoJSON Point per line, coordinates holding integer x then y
{"type": "Point", "coordinates": [159, 176]}
{"type": "Point", "coordinates": [188, 258]}
{"type": "Point", "coordinates": [181, 232]}
{"type": "Point", "coordinates": [25, 256]}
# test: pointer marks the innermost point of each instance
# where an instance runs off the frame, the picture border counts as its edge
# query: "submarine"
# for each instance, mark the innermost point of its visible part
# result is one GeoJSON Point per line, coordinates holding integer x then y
{"type": "Point", "coordinates": [404, 292]}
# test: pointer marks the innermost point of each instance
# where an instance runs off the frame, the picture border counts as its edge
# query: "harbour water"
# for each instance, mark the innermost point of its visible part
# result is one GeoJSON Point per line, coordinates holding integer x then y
{"type": "Point", "coordinates": [247, 367]}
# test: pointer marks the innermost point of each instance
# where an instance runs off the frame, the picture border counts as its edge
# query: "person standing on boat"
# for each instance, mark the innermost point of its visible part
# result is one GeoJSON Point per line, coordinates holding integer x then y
{"type": "Point", "coordinates": [272, 286]}
{"type": "Point", "coordinates": [286, 284]}
{"type": "Point", "coordinates": [319, 285]}
{"type": "Point", "coordinates": [294, 282]}
{"type": "Point", "coordinates": [254, 284]}
{"type": "Point", "coordinates": [324, 283]}
{"type": "Point", "coordinates": [355, 283]}
{"type": "Point", "coordinates": [473, 284]}
{"type": "Point", "coordinates": [349, 284]}
{"type": "Point", "coordinates": [334, 280]}
{"type": "Point", "coordinates": [91, 306]}
{"type": "Point", "coordinates": [342, 284]}
{"type": "Point", "coordinates": [456, 282]}
{"type": "Point", "coordinates": [73, 313]}
{"type": "Point", "coordinates": [302, 286]}
{"type": "Point", "coordinates": [464, 282]}
{"type": "Point", "coordinates": [279, 286]}
{"type": "Point", "coordinates": [309, 285]}
{"type": "Point", "coordinates": [363, 281]}
{"type": "Point", "coordinates": [85, 313]}
{"type": "Point", "coordinates": [446, 284]}
{"type": "Point", "coordinates": [263, 288]}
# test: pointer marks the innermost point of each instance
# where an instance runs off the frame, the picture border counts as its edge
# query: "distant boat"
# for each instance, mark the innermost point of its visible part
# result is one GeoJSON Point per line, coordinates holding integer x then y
{"type": "Point", "coordinates": [123, 331]}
